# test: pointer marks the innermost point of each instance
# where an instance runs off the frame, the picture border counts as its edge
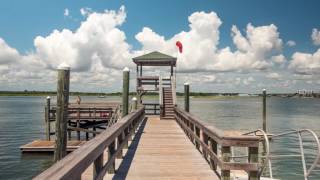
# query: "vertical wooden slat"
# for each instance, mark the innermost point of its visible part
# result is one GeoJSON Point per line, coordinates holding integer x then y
{"type": "Point", "coordinates": [111, 151]}
{"type": "Point", "coordinates": [205, 139]}
{"type": "Point", "coordinates": [78, 123]}
{"type": "Point", "coordinates": [126, 133]}
{"type": "Point", "coordinates": [253, 158]}
{"type": "Point", "coordinates": [197, 130]}
{"type": "Point", "coordinates": [62, 111]}
{"type": "Point", "coordinates": [97, 165]}
{"type": "Point", "coordinates": [186, 97]}
{"type": "Point", "coordinates": [119, 142]}
{"type": "Point", "coordinates": [226, 156]}
{"type": "Point", "coordinates": [214, 147]}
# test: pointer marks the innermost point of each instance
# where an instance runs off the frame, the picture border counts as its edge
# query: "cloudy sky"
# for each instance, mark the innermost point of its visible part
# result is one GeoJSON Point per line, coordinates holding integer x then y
{"type": "Point", "coordinates": [229, 46]}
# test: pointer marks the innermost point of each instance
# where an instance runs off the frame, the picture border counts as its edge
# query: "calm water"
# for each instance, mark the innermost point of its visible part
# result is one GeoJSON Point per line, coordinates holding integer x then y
{"type": "Point", "coordinates": [21, 121]}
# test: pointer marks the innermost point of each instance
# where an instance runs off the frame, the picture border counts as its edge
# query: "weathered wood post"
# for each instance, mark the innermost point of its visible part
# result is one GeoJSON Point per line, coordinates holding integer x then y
{"type": "Point", "coordinates": [97, 165]}
{"type": "Point", "coordinates": [214, 147]}
{"type": "Point", "coordinates": [264, 112]}
{"type": "Point", "coordinates": [47, 118]}
{"type": "Point", "coordinates": [62, 111]}
{"type": "Point", "coordinates": [186, 97]}
{"type": "Point", "coordinates": [226, 157]}
{"type": "Point", "coordinates": [111, 151]}
{"type": "Point", "coordinates": [134, 104]}
{"type": "Point", "coordinates": [125, 91]}
{"type": "Point", "coordinates": [253, 158]}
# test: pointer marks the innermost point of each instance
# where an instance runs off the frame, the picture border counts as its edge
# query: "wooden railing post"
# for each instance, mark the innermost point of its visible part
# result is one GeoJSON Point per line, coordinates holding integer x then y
{"type": "Point", "coordinates": [119, 142]}
{"type": "Point", "coordinates": [125, 92]}
{"type": "Point", "coordinates": [47, 118]}
{"type": "Point", "coordinates": [226, 156]}
{"type": "Point", "coordinates": [62, 111]}
{"type": "Point", "coordinates": [197, 131]}
{"type": "Point", "coordinates": [264, 112]}
{"type": "Point", "coordinates": [186, 97]}
{"type": "Point", "coordinates": [97, 165]}
{"type": "Point", "coordinates": [111, 151]}
{"type": "Point", "coordinates": [253, 158]}
{"type": "Point", "coordinates": [78, 123]}
{"type": "Point", "coordinates": [214, 147]}
{"type": "Point", "coordinates": [205, 139]}
{"type": "Point", "coordinates": [126, 133]}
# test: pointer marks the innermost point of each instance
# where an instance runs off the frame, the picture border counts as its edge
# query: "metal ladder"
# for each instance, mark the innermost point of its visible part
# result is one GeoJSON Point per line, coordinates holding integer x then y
{"type": "Point", "coordinates": [266, 159]}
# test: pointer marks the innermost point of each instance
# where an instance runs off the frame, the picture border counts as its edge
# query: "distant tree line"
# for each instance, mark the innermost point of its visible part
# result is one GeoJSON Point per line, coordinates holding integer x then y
{"type": "Point", "coordinates": [52, 93]}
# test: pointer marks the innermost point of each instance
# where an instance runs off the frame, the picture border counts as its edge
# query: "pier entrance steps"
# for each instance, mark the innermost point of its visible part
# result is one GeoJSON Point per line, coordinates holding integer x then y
{"type": "Point", "coordinates": [168, 104]}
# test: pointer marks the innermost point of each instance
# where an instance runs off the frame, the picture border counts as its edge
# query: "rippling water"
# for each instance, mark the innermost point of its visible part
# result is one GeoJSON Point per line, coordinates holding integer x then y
{"type": "Point", "coordinates": [21, 121]}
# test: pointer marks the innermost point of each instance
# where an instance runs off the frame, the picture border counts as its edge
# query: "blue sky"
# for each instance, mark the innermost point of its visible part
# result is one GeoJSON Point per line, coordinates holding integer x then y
{"type": "Point", "coordinates": [22, 21]}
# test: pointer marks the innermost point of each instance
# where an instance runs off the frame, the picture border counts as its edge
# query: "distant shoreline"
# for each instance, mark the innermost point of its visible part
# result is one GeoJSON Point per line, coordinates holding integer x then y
{"type": "Point", "coordinates": [192, 94]}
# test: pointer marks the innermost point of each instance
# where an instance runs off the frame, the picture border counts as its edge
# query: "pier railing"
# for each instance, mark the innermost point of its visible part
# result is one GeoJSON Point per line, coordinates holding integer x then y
{"type": "Point", "coordinates": [207, 139]}
{"type": "Point", "coordinates": [84, 116]}
{"type": "Point", "coordinates": [113, 140]}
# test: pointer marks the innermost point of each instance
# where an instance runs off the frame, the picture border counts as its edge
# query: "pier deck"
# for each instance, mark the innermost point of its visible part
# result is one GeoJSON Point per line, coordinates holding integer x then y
{"type": "Point", "coordinates": [160, 150]}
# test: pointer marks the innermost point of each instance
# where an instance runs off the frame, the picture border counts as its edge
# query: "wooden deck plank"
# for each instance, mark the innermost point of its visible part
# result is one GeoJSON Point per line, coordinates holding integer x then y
{"type": "Point", "coordinates": [160, 150]}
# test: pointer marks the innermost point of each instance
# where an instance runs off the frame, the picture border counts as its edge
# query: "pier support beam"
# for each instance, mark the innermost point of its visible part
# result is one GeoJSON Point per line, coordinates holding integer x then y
{"type": "Point", "coordinates": [186, 97]}
{"type": "Point", "coordinates": [62, 111]}
{"type": "Point", "coordinates": [264, 112]}
{"type": "Point", "coordinates": [47, 118]}
{"type": "Point", "coordinates": [125, 92]}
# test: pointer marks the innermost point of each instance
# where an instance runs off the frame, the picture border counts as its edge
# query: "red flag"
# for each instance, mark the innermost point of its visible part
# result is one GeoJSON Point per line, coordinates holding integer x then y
{"type": "Point", "coordinates": [179, 45]}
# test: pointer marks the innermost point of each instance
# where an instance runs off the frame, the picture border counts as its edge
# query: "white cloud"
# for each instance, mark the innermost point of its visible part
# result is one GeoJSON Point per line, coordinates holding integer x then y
{"type": "Point", "coordinates": [248, 81]}
{"type": "Point", "coordinates": [97, 39]}
{"type": "Point", "coordinates": [86, 11]}
{"type": "Point", "coordinates": [98, 48]}
{"type": "Point", "coordinates": [66, 12]}
{"type": "Point", "coordinates": [274, 75]}
{"type": "Point", "coordinates": [201, 52]}
{"type": "Point", "coordinates": [279, 59]}
{"type": "Point", "coordinates": [315, 36]}
{"type": "Point", "coordinates": [8, 54]}
{"type": "Point", "coordinates": [305, 63]}
{"type": "Point", "coordinates": [291, 43]}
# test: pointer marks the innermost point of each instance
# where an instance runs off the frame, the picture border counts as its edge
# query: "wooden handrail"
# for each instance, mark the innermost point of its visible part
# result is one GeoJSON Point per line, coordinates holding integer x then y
{"type": "Point", "coordinates": [207, 138]}
{"type": "Point", "coordinates": [173, 89]}
{"type": "Point", "coordinates": [74, 164]}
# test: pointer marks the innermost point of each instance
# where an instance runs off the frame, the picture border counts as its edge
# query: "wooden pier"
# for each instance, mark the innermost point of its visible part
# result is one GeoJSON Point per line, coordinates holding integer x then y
{"type": "Point", "coordinates": [160, 149]}
{"type": "Point", "coordinates": [172, 145]}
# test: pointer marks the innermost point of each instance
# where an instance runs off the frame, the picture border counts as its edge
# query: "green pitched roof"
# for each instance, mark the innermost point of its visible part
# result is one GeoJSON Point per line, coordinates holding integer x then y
{"type": "Point", "coordinates": [155, 58]}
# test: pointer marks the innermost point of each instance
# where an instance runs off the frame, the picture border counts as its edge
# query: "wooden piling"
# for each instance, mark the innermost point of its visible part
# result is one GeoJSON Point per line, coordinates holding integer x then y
{"type": "Point", "coordinates": [47, 118]}
{"type": "Point", "coordinates": [264, 112]}
{"type": "Point", "coordinates": [125, 92]}
{"type": "Point", "coordinates": [186, 97]}
{"type": "Point", "coordinates": [134, 103]}
{"type": "Point", "coordinates": [62, 111]}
